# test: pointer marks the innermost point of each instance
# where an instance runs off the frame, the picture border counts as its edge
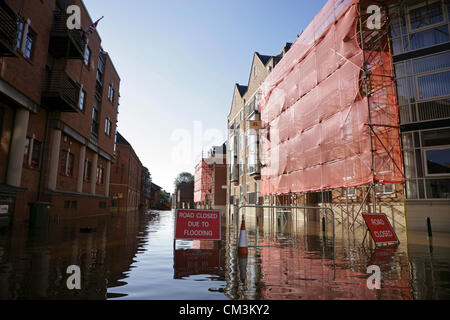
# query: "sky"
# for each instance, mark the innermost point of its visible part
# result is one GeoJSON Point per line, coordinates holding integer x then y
{"type": "Point", "coordinates": [179, 60]}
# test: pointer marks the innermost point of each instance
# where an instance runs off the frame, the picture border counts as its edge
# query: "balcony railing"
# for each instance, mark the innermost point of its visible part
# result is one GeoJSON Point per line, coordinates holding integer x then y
{"type": "Point", "coordinates": [64, 42]}
{"type": "Point", "coordinates": [254, 171]}
{"type": "Point", "coordinates": [8, 30]}
{"type": "Point", "coordinates": [60, 92]}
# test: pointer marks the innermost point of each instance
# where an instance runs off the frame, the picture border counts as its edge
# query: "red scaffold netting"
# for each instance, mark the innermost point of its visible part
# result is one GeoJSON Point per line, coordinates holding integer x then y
{"type": "Point", "coordinates": [315, 131]}
{"type": "Point", "coordinates": [202, 181]}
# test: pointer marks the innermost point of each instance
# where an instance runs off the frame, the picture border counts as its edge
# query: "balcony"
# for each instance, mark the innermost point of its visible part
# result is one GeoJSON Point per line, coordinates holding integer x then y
{"type": "Point", "coordinates": [234, 178]}
{"type": "Point", "coordinates": [60, 92]}
{"type": "Point", "coordinates": [65, 43]}
{"type": "Point", "coordinates": [8, 30]}
{"type": "Point", "coordinates": [254, 171]}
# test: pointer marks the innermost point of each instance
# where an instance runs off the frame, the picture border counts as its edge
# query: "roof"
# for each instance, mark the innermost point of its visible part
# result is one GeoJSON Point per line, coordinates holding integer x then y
{"type": "Point", "coordinates": [242, 89]}
{"type": "Point", "coordinates": [122, 140]}
{"type": "Point", "coordinates": [155, 186]}
{"type": "Point", "coordinates": [264, 59]}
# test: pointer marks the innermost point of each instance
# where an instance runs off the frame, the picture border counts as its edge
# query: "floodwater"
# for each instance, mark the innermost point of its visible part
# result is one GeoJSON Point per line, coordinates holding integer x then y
{"type": "Point", "coordinates": [134, 256]}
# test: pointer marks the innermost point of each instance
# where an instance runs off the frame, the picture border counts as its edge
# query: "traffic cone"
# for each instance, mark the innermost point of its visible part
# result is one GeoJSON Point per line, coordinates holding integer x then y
{"type": "Point", "coordinates": [243, 244]}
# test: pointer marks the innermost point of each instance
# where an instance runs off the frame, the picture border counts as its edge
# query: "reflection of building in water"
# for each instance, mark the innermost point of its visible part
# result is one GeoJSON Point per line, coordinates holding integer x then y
{"type": "Point", "coordinates": [291, 258]}
{"type": "Point", "coordinates": [33, 265]}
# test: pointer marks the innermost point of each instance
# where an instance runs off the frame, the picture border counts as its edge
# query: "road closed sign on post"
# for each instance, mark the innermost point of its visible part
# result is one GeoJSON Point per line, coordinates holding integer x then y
{"type": "Point", "coordinates": [380, 228]}
{"type": "Point", "coordinates": [198, 225]}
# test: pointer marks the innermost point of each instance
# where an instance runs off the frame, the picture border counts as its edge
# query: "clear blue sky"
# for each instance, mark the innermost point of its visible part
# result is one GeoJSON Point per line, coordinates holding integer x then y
{"type": "Point", "coordinates": [179, 60]}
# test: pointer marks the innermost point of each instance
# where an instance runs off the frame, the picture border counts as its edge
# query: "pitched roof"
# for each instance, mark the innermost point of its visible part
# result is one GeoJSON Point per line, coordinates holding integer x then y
{"type": "Point", "coordinates": [242, 89]}
{"type": "Point", "coordinates": [122, 140]}
{"type": "Point", "coordinates": [264, 59]}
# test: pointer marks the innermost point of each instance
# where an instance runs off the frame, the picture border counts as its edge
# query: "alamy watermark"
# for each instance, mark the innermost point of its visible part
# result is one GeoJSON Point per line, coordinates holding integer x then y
{"type": "Point", "coordinates": [74, 280]}
{"type": "Point", "coordinates": [374, 280]}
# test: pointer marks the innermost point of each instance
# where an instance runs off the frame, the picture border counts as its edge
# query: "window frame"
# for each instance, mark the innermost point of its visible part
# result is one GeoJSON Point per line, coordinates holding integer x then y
{"type": "Point", "coordinates": [20, 31]}
{"type": "Point", "coordinates": [82, 103]}
{"type": "Point", "coordinates": [410, 30]}
{"type": "Point", "coordinates": [424, 161]}
{"type": "Point", "coordinates": [87, 50]}
{"type": "Point", "coordinates": [28, 52]}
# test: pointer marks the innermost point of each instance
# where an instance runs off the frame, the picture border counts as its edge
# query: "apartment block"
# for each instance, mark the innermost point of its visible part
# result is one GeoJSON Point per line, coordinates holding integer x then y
{"type": "Point", "coordinates": [59, 99]}
{"type": "Point", "coordinates": [244, 167]}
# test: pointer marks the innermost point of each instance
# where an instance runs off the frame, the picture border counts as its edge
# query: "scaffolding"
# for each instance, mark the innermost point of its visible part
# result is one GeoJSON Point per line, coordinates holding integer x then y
{"type": "Point", "coordinates": [202, 181]}
{"type": "Point", "coordinates": [329, 109]}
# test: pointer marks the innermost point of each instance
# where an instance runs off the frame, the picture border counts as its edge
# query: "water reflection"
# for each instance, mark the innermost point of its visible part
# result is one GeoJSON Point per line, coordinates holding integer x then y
{"type": "Point", "coordinates": [133, 256]}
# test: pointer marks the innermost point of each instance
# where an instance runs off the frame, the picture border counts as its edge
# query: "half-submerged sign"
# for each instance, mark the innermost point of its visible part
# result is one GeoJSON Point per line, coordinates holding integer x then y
{"type": "Point", "coordinates": [198, 225]}
{"type": "Point", "coordinates": [380, 228]}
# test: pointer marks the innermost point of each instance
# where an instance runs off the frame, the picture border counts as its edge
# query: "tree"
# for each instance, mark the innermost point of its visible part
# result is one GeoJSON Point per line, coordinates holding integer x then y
{"type": "Point", "coordinates": [184, 177]}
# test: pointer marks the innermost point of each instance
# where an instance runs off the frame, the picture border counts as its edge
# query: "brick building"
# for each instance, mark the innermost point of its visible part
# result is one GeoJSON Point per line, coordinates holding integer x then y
{"type": "Point", "coordinates": [126, 177]}
{"type": "Point", "coordinates": [210, 181]}
{"type": "Point", "coordinates": [59, 95]}
{"type": "Point", "coordinates": [184, 197]}
{"type": "Point", "coordinates": [243, 146]}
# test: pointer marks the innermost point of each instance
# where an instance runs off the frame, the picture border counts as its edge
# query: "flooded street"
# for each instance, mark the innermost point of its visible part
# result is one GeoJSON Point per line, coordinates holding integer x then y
{"type": "Point", "coordinates": [134, 257]}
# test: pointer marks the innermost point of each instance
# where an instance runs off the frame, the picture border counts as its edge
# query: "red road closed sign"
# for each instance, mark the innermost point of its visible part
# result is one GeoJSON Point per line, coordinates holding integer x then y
{"type": "Point", "coordinates": [198, 225]}
{"type": "Point", "coordinates": [380, 228]}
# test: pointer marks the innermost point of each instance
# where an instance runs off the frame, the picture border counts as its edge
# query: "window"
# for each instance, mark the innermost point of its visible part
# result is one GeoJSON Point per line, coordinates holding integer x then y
{"type": "Point", "coordinates": [32, 154]}
{"type": "Point", "coordinates": [437, 161]}
{"type": "Point", "coordinates": [95, 120]}
{"type": "Point", "coordinates": [426, 16]}
{"type": "Point", "coordinates": [28, 50]}
{"type": "Point", "coordinates": [434, 85]}
{"type": "Point", "coordinates": [108, 126]}
{"type": "Point", "coordinates": [383, 189]}
{"type": "Point", "coordinates": [349, 192]}
{"type": "Point", "coordinates": [87, 56]}
{"type": "Point", "coordinates": [27, 151]}
{"type": "Point", "coordinates": [111, 93]}
{"type": "Point", "coordinates": [20, 27]}
{"type": "Point", "coordinates": [99, 175]}
{"type": "Point", "coordinates": [87, 170]}
{"type": "Point", "coordinates": [115, 143]}
{"type": "Point", "coordinates": [67, 162]}
{"type": "Point", "coordinates": [82, 99]}
{"type": "Point", "coordinates": [255, 71]}
{"type": "Point", "coordinates": [36, 154]}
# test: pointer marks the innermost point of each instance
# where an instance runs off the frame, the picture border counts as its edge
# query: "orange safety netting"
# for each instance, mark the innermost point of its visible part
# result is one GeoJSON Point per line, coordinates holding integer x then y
{"type": "Point", "coordinates": [202, 181]}
{"type": "Point", "coordinates": [315, 117]}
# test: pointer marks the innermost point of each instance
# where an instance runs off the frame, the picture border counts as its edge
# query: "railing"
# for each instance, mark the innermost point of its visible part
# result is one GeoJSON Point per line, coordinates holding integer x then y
{"type": "Point", "coordinates": [8, 30]}
{"type": "Point", "coordinates": [60, 31]}
{"type": "Point", "coordinates": [60, 91]}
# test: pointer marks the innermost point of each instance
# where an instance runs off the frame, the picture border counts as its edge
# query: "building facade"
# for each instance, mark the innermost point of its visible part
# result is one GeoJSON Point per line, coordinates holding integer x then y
{"type": "Point", "coordinates": [210, 182]}
{"type": "Point", "coordinates": [126, 178]}
{"type": "Point", "coordinates": [418, 43]}
{"type": "Point", "coordinates": [185, 196]}
{"type": "Point", "coordinates": [244, 166]}
{"type": "Point", "coordinates": [421, 53]}
{"type": "Point", "coordinates": [59, 95]}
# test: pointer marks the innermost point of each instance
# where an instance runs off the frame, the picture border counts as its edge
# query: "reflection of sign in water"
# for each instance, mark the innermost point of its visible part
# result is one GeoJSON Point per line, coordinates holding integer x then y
{"type": "Point", "coordinates": [382, 257]}
{"type": "Point", "coordinates": [198, 225]}
{"type": "Point", "coordinates": [380, 228]}
{"type": "Point", "coordinates": [195, 262]}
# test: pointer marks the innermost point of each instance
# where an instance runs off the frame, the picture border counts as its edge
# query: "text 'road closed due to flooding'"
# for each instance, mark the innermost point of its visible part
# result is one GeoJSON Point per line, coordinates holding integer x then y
{"type": "Point", "coordinates": [198, 225]}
